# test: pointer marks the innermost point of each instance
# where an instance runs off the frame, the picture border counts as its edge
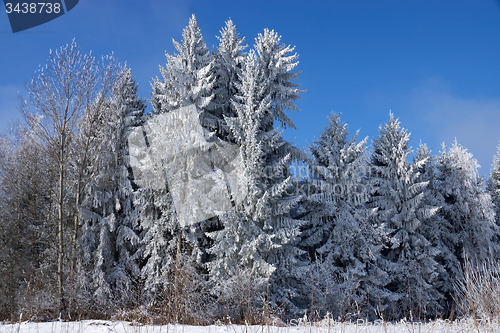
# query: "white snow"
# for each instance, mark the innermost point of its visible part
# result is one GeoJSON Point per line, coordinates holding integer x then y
{"type": "Point", "coordinates": [104, 326]}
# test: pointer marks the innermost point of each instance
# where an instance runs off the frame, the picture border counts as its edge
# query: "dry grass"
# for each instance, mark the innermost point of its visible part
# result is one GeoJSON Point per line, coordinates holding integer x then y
{"type": "Point", "coordinates": [477, 300]}
{"type": "Point", "coordinates": [478, 291]}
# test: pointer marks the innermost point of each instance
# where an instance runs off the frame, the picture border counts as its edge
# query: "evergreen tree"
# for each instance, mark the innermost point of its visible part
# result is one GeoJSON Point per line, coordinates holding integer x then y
{"type": "Point", "coordinates": [127, 113]}
{"type": "Point", "coordinates": [243, 242]}
{"type": "Point", "coordinates": [188, 79]}
{"type": "Point", "coordinates": [229, 64]}
{"type": "Point", "coordinates": [109, 223]}
{"type": "Point", "coordinates": [409, 257]}
{"type": "Point", "coordinates": [158, 244]}
{"type": "Point", "coordinates": [467, 208]}
{"type": "Point", "coordinates": [260, 235]}
{"type": "Point", "coordinates": [339, 234]}
{"type": "Point", "coordinates": [436, 228]}
{"type": "Point", "coordinates": [277, 65]}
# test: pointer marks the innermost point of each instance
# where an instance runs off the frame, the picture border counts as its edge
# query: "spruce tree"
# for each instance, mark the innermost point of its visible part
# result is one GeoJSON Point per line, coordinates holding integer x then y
{"type": "Point", "coordinates": [339, 235]}
{"type": "Point", "coordinates": [188, 78]}
{"type": "Point", "coordinates": [126, 110]}
{"type": "Point", "coordinates": [277, 64]}
{"type": "Point", "coordinates": [157, 249]}
{"type": "Point", "coordinates": [466, 206]}
{"type": "Point", "coordinates": [435, 228]}
{"type": "Point", "coordinates": [408, 257]}
{"type": "Point", "coordinates": [228, 66]}
{"type": "Point", "coordinates": [109, 236]}
{"type": "Point", "coordinates": [261, 231]}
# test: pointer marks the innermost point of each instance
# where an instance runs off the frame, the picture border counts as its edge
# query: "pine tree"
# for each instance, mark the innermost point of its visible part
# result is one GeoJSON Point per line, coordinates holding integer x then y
{"type": "Point", "coordinates": [467, 208]}
{"type": "Point", "coordinates": [339, 235]}
{"type": "Point", "coordinates": [409, 257]}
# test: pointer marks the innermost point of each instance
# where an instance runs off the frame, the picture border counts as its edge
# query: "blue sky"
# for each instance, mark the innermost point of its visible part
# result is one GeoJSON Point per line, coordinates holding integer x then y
{"type": "Point", "coordinates": [435, 64]}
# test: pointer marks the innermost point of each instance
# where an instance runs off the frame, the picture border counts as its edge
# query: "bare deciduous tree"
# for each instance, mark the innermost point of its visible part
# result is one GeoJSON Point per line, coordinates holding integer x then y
{"type": "Point", "coordinates": [71, 85]}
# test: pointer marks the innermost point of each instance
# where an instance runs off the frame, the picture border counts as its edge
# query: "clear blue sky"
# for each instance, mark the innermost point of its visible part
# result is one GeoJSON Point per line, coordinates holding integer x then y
{"type": "Point", "coordinates": [435, 64]}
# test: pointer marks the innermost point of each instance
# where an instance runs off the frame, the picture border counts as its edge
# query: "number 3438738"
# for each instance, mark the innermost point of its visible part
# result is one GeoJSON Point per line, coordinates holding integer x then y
{"type": "Point", "coordinates": [33, 8]}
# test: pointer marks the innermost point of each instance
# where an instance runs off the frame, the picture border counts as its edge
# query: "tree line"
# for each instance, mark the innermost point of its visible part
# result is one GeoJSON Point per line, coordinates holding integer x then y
{"type": "Point", "coordinates": [340, 229]}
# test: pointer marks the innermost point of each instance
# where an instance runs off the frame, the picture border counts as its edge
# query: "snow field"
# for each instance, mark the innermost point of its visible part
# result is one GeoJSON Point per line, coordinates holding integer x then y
{"type": "Point", "coordinates": [361, 326]}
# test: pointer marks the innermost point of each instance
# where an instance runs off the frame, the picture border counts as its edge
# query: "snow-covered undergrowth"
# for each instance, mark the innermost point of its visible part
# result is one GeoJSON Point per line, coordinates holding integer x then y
{"type": "Point", "coordinates": [325, 326]}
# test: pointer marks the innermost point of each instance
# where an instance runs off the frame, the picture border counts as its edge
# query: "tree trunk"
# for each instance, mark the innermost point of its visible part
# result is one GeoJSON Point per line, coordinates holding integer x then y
{"type": "Point", "coordinates": [60, 296]}
{"type": "Point", "coordinates": [179, 242]}
{"type": "Point", "coordinates": [73, 249]}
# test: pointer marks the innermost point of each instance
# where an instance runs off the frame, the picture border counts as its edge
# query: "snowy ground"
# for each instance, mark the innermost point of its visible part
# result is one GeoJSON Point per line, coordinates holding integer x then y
{"type": "Point", "coordinates": [101, 326]}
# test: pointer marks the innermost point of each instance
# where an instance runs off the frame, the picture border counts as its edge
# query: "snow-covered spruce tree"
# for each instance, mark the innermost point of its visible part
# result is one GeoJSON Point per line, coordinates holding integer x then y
{"type": "Point", "coordinates": [242, 244]}
{"type": "Point", "coordinates": [188, 79]}
{"type": "Point", "coordinates": [109, 235]}
{"type": "Point", "coordinates": [408, 258]}
{"type": "Point", "coordinates": [158, 242]}
{"type": "Point", "coordinates": [466, 206]}
{"type": "Point", "coordinates": [277, 65]}
{"type": "Point", "coordinates": [238, 270]}
{"type": "Point", "coordinates": [228, 66]}
{"type": "Point", "coordinates": [493, 185]}
{"type": "Point", "coordinates": [173, 253]}
{"type": "Point", "coordinates": [83, 149]}
{"type": "Point", "coordinates": [259, 235]}
{"type": "Point", "coordinates": [126, 110]}
{"type": "Point", "coordinates": [435, 228]}
{"type": "Point", "coordinates": [171, 282]}
{"type": "Point", "coordinates": [339, 234]}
